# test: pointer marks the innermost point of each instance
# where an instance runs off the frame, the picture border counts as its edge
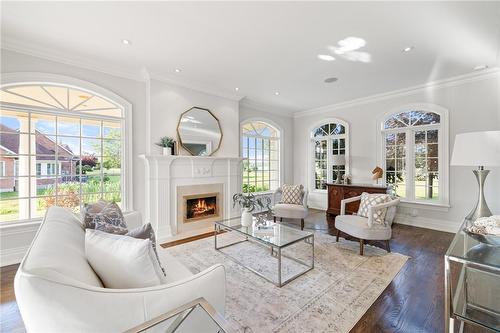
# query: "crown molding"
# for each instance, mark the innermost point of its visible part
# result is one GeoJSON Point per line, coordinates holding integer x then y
{"type": "Point", "coordinates": [266, 108]}
{"type": "Point", "coordinates": [72, 60]}
{"type": "Point", "coordinates": [439, 84]}
{"type": "Point", "coordinates": [142, 75]}
{"type": "Point", "coordinates": [203, 88]}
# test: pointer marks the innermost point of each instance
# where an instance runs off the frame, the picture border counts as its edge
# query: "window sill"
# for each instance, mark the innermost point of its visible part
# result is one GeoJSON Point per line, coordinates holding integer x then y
{"type": "Point", "coordinates": [21, 224]}
{"type": "Point", "coordinates": [436, 206]}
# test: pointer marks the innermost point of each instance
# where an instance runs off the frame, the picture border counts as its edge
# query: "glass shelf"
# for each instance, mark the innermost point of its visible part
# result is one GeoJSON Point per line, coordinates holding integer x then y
{"type": "Point", "coordinates": [472, 282]}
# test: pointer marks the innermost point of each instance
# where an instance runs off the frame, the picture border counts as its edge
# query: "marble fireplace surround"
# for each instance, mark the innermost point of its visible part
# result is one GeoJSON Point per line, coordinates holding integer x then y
{"type": "Point", "coordinates": [166, 178]}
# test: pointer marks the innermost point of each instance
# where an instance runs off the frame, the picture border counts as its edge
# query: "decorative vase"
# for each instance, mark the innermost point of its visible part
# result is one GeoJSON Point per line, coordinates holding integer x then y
{"type": "Point", "coordinates": [246, 218]}
{"type": "Point", "coordinates": [167, 151]}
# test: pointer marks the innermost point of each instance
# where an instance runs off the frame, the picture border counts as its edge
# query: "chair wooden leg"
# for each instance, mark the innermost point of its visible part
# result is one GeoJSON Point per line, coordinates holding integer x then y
{"type": "Point", "coordinates": [281, 219]}
{"type": "Point", "coordinates": [338, 235]}
{"type": "Point", "coordinates": [274, 218]}
{"type": "Point", "coordinates": [387, 246]}
{"type": "Point", "coordinates": [301, 224]}
{"type": "Point", "coordinates": [361, 246]}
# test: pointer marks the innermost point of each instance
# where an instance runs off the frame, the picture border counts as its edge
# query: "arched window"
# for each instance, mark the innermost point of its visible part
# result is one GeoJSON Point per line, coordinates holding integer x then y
{"type": "Point", "coordinates": [330, 152]}
{"type": "Point", "coordinates": [260, 145]}
{"type": "Point", "coordinates": [59, 145]}
{"type": "Point", "coordinates": [413, 155]}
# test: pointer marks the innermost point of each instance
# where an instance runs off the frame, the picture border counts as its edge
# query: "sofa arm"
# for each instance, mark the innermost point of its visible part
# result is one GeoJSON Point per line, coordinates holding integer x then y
{"type": "Point", "coordinates": [133, 219]}
{"type": "Point", "coordinates": [346, 201]}
{"type": "Point", "coordinates": [52, 306]}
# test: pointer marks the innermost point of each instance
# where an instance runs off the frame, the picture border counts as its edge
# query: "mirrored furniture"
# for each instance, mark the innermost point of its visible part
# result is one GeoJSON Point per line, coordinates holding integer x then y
{"type": "Point", "coordinates": [199, 132]}
{"type": "Point", "coordinates": [286, 253]}
{"type": "Point", "coordinates": [178, 319]}
{"type": "Point", "coordinates": [472, 284]}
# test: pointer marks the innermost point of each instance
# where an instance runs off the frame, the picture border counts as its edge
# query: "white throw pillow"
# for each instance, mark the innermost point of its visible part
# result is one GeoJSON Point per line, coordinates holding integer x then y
{"type": "Point", "coordinates": [122, 262]}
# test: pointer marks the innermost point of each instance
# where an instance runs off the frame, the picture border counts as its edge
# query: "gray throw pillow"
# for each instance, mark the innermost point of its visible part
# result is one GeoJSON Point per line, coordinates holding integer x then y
{"type": "Point", "coordinates": [103, 212]}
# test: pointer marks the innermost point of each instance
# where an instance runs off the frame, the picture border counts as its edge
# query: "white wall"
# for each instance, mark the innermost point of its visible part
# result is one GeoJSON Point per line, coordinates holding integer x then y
{"type": "Point", "coordinates": [156, 107]}
{"type": "Point", "coordinates": [285, 125]}
{"type": "Point", "coordinates": [473, 106]}
{"type": "Point", "coordinates": [169, 101]}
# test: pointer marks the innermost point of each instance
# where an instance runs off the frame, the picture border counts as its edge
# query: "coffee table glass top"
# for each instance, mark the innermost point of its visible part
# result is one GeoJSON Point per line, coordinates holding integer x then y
{"type": "Point", "coordinates": [272, 233]}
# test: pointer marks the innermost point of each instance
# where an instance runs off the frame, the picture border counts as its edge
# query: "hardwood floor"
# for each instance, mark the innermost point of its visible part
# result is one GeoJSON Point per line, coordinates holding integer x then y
{"type": "Point", "coordinates": [413, 301]}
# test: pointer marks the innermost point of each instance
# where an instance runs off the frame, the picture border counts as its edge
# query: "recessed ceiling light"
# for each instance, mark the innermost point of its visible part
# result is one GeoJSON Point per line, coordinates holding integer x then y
{"type": "Point", "coordinates": [178, 70]}
{"type": "Point", "coordinates": [331, 79]}
{"type": "Point", "coordinates": [408, 48]}
{"type": "Point", "coordinates": [277, 93]}
{"type": "Point", "coordinates": [126, 42]}
{"type": "Point", "coordinates": [237, 89]}
{"type": "Point", "coordinates": [326, 57]}
{"type": "Point", "coordinates": [480, 67]}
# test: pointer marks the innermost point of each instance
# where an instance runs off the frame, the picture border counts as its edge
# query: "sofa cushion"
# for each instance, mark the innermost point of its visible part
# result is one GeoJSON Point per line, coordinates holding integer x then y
{"type": "Point", "coordinates": [58, 250]}
{"type": "Point", "coordinates": [290, 211]}
{"type": "Point", "coordinates": [121, 261]}
{"type": "Point", "coordinates": [357, 226]}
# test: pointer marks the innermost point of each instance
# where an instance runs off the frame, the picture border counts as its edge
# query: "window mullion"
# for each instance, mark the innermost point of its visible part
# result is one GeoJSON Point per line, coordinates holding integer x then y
{"type": "Point", "coordinates": [410, 166]}
{"type": "Point", "coordinates": [329, 147]}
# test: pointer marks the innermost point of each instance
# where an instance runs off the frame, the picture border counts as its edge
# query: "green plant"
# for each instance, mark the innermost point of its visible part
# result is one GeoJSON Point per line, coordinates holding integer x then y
{"type": "Point", "coordinates": [250, 201]}
{"type": "Point", "coordinates": [165, 142]}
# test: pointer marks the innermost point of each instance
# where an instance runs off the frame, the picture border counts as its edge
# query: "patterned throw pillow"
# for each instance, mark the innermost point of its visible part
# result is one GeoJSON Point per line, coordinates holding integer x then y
{"type": "Point", "coordinates": [103, 212]}
{"type": "Point", "coordinates": [292, 194]}
{"type": "Point", "coordinates": [368, 200]}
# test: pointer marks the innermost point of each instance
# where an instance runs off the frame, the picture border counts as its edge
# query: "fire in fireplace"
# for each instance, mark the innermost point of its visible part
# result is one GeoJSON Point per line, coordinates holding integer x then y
{"type": "Point", "coordinates": [201, 207]}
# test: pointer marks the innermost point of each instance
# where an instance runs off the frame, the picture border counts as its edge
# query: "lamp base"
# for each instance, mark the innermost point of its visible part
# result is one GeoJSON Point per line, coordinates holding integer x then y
{"type": "Point", "coordinates": [481, 209]}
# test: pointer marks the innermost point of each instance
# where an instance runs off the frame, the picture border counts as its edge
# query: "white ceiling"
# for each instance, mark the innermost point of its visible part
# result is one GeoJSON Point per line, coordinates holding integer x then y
{"type": "Point", "coordinates": [264, 47]}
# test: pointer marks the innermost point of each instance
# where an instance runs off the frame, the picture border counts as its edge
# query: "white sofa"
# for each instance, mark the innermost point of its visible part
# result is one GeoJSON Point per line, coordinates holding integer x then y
{"type": "Point", "coordinates": [57, 290]}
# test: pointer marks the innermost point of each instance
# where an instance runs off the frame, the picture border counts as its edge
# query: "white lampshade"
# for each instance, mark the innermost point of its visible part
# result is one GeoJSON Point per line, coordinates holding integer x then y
{"type": "Point", "coordinates": [338, 160]}
{"type": "Point", "coordinates": [477, 149]}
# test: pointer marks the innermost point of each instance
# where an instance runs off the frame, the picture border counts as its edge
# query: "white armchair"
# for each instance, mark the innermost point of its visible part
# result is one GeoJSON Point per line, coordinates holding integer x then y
{"type": "Point", "coordinates": [364, 228]}
{"type": "Point", "coordinates": [289, 211]}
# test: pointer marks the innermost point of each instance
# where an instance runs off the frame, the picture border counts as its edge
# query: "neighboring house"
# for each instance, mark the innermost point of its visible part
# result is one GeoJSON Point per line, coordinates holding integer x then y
{"type": "Point", "coordinates": [47, 166]}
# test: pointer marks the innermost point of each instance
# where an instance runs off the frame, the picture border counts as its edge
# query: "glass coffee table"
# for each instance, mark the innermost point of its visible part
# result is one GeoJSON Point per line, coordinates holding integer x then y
{"type": "Point", "coordinates": [284, 253]}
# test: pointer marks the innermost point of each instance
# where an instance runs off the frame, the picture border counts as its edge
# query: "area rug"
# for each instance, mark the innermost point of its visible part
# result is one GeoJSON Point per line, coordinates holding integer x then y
{"type": "Point", "coordinates": [330, 298]}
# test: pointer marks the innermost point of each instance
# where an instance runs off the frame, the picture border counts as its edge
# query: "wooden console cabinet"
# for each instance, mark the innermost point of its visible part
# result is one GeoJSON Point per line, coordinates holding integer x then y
{"type": "Point", "coordinates": [337, 192]}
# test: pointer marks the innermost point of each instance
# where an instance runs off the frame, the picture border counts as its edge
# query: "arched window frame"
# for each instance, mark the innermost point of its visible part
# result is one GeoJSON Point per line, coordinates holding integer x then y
{"type": "Point", "coordinates": [328, 138]}
{"type": "Point", "coordinates": [37, 78]}
{"type": "Point", "coordinates": [279, 139]}
{"type": "Point", "coordinates": [443, 151]}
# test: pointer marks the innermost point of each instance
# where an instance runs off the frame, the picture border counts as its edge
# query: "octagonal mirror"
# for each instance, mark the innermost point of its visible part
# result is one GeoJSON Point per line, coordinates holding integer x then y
{"type": "Point", "coordinates": [199, 132]}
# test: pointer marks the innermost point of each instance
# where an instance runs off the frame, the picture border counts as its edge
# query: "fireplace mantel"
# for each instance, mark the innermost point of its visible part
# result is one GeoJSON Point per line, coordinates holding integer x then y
{"type": "Point", "coordinates": [164, 174]}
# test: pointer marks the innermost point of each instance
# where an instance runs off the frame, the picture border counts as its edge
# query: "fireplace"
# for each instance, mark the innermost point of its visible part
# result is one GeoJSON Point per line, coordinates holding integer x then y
{"type": "Point", "coordinates": [200, 207]}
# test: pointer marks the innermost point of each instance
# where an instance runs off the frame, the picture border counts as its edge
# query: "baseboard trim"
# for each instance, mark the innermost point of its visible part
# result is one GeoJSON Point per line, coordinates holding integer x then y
{"type": "Point", "coordinates": [12, 256]}
{"type": "Point", "coordinates": [428, 223]}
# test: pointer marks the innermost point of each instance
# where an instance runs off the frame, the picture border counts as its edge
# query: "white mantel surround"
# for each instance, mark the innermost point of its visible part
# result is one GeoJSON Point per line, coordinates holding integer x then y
{"type": "Point", "coordinates": [163, 174]}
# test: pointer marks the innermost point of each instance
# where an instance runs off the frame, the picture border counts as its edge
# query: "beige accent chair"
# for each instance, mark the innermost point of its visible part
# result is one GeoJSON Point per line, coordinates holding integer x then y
{"type": "Point", "coordinates": [363, 228]}
{"type": "Point", "coordinates": [289, 211]}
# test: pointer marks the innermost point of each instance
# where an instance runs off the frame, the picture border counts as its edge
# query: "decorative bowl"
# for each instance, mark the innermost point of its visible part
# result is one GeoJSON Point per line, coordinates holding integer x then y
{"type": "Point", "coordinates": [484, 238]}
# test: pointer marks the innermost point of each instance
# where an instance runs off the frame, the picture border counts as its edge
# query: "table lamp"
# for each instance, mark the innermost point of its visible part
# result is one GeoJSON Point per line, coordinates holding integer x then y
{"type": "Point", "coordinates": [338, 160]}
{"type": "Point", "coordinates": [481, 149]}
